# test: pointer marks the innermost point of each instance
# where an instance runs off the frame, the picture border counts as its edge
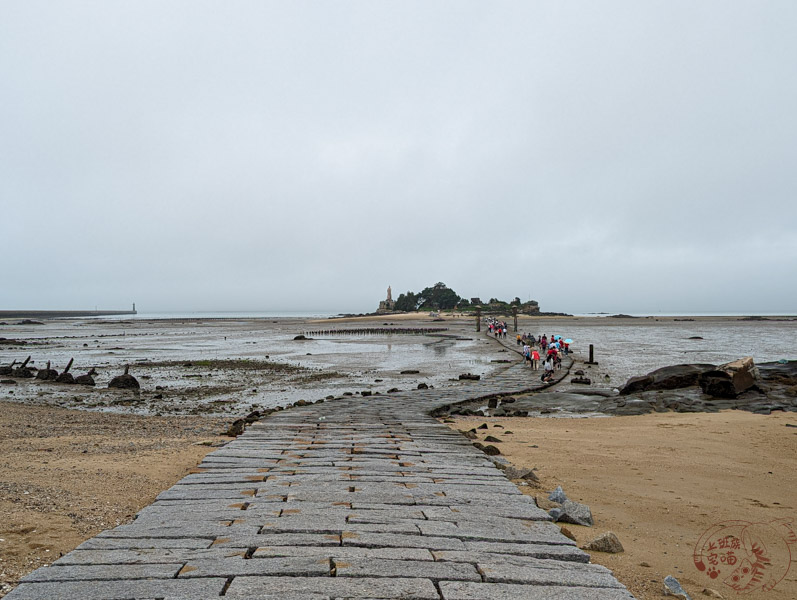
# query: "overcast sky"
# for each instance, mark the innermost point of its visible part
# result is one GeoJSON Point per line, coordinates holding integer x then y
{"type": "Point", "coordinates": [594, 156]}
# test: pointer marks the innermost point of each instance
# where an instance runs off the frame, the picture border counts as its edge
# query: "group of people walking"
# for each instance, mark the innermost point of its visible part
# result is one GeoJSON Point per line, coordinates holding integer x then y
{"type": "Point", "coordinates": [551, 348]}
{"type": "Point", "coordinates": [497, 327]}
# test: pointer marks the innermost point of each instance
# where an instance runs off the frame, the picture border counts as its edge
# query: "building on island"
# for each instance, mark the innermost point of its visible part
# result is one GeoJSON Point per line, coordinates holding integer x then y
{"type": "Point", "coordinates": [388, 304]}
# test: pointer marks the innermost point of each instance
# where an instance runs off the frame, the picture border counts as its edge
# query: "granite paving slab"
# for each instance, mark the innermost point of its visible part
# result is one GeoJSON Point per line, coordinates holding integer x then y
{"type": "Point", "coordinates": [356, 498]}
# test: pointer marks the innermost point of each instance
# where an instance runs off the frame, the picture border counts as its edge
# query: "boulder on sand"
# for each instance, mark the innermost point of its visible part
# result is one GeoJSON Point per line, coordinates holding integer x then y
{"type": "Point", "coordinates": [729, 380]}
{"type": "Point", "coordinates": [666, 378]}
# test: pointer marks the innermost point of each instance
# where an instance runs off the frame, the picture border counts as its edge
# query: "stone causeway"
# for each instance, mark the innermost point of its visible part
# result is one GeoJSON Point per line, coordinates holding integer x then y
{"type": "Point", "coordinates": [352, 498]}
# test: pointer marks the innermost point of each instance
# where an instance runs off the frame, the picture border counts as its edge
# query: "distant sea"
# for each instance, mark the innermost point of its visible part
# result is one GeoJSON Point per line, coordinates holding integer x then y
{"type": "Point", "coordinates": [225, 315]}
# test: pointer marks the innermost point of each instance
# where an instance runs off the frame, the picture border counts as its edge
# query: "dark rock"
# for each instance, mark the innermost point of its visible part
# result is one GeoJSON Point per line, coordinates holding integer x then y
{"type": "Point", "coordinates": [608, 542]}
{"type": "Point", "coordinates": [470, 377]}
{"type": "Point", "coordinates": [492, 439]}
{"type": "Point", "coordinates": [29, 322]}
{"type": "Point", "coordinates": [67, 378]}
{"type": "Point", "coordinates": [492, 403]}
{"type": "Point", "coordinates": [666, 378]}
{"type": "Point", "coordinates": [253, 416]}
{"type": "Point", "coordinates": [410, 372]}
{"type": "Point", "coordinates": [508, 400]}
{"type": "Point", "coordinates": [470, 434]}
{"type": "Point", "coordinates": [124, 382]}
{"type": "Point", "coordinates": [47, 374]}
{"type": "Point", "coordinates": [365, 393]}
{"type": "Point", "coordinates": [423, 386]}
{"type": "Point", "coordinates": [8, 381]}
{"type": "Point", "coordinates": [300, 337]}
{"type": "Point", "coordinates": [491, 450]}
{"type": "Point", "coordinates": [581, 380]}
{"type": "Point", "coordinates": [85, 380]}
{"type": "Point", "coordinates": [158, 397]}
{"type": "Point", "coordinates": [695, 337]}
{"type": "Point", "coordinates": [23, 373]}
{"type": "Point", "coordinates": [393, 390]}
{"type": "Point", "coordinates": [729, 380]}
{"type": "Point", "coordinates": [717, 384]}
{"type": "Point", "coordinates": [483, 426]}
{"type": "Point", "coordinates": [237, 428]}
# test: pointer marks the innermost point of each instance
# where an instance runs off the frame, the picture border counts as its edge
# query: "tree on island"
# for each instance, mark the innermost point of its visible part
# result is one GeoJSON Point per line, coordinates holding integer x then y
{"type": "Point", "coordinates": [437, 297]}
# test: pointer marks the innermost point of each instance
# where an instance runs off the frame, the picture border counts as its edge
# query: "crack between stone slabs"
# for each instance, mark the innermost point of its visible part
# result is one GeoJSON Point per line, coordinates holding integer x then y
{"type": "Point", "coordinates": [227, 585]}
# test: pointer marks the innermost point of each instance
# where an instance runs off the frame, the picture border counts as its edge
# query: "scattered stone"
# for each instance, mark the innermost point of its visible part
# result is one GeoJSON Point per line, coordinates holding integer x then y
{"type": "Point", "coordinates": [488, 450]}
{"type": "Point", "coordinates": [409, 372]}
{"type": "Point", "coordinates": [299, 337]}
{"type": "Point", "coordinates": [573, 512]}
{"type": "Point", "coordinates": [492, 403]}
{"type": "Point", "coordinates": [521, 473]}
{"type": "Point", "coordinates": [483, 426]}
{"type": "Point", "coordinates": [508, 400]}
{"type": "Point", "coordinates": [673, 588]}
{"type": "Point", "coordinates": [644, 564]}
{"type": "Point", "coordinates": [470, 377]}
{"type": "Point", "coordinates": [423, 386]}
{"type": "Point", "coordinates": [558, 495]}
{"type": "Point", "coordinates": [393, 390]}
{"type": "Point", "coordinates": [608, 542]}
{"type": "Point", "coordinates": [365, 393]}
{"type": "Point", "coordinates": [567, 533]}
{"type": "Point", "coordinates": [252, 417]}
{"type": "Point", "coordinates": [237, 428]}
{"type": "Point", "coordinates": [492, 439]}
{"type": "Point", "coordinates": [581, 380]}
{"type": "Point", "coordinates": [8, 381]}
{"type": "Point", "coordinates": [470, 434]}
{"type": "Point", "coordinates": [712, 593]}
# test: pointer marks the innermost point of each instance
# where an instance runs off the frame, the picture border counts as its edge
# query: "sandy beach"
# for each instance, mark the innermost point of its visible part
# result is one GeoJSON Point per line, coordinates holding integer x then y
{"type": "Point", "coordinates": [659, 481]}
{"type": "Point", "coordinates": [66, 475]}
{"type": "Point", "coordinates": [656, 480]}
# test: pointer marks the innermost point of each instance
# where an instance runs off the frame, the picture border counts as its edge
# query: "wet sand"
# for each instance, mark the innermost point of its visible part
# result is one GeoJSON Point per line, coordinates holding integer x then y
{"type": "Point", "coordinates": [659, 481]}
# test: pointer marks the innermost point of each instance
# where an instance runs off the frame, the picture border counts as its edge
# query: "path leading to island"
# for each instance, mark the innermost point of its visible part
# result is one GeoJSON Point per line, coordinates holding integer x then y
{"type": "Point", "coordinates": [353, 498]}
